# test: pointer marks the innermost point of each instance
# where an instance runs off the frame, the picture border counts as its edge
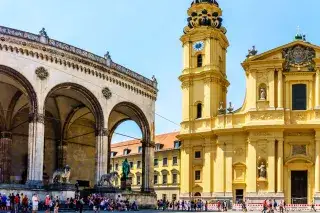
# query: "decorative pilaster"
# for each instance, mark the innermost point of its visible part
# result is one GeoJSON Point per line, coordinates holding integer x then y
{"type": "Point", "coordinates": [310, 94]}
{"type": "Point", "coordinates": [251, 179]}
{"type": "Point", "coordinates": [271, 166]}
{"type": "Point", "coordinates": [35, 149]}
{"type": "Point", "coordinates": [280, 167]}
{"type": "Point", "coordinates": [219, 168]}
{"type": "Point", "coordinates": [317, 92]}
{"type": "Point", "coordinates": [228, 169]}
{"type": "Point", "coordinates": [208, 168]}
{"type": "Point", "coordinates": [317, 163]}
{"type": "Point", "coordinates": [280, 90]}
{"type": "Point", "coordinates": [147, 166]}
{"type": "Point", "coordinates": [5, 158]}
{"type": "Point", "coordinates": [185, 172]}
{"type": "Point", "coordinates": [287, 98]}
{"type": "Point", "coordinates": [102, 151]}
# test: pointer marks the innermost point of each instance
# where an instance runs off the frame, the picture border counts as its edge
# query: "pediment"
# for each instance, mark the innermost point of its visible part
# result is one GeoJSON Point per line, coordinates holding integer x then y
{"type": "Point", "coordinates": [277, 53]}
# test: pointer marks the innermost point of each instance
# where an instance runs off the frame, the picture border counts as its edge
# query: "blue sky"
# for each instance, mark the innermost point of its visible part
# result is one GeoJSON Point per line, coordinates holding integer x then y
{"type": "Point", "coordinates": [143, 35]}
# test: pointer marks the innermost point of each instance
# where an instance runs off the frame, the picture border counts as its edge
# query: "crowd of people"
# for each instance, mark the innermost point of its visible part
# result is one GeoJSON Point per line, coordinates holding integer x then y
{"type": "Point", "coordinates": [96, 202]}
{"type": "Point", "coordinates": [193, 205]}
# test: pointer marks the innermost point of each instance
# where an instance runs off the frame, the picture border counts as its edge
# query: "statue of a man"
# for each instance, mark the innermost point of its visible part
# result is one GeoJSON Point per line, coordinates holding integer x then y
{"type": "Point", "coordinates": [262, 170]}
{"type": "Point", "coordinates": [125, 169]}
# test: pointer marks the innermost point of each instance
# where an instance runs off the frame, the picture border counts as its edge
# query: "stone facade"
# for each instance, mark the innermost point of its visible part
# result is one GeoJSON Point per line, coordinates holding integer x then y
{"type": "Point", "coordinates": [261, 150]}
{"type": "Point", "coordinates": [56, 109]}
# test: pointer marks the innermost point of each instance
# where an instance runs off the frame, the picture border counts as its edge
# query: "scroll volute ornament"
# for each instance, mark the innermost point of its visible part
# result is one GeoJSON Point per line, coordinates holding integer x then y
{"type": "Point", "coordinates": [42, 73]}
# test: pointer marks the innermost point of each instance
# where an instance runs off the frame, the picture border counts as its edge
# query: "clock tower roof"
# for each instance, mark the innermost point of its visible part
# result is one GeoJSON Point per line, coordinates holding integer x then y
{"type": "Point", "coordinates": [204, 13]}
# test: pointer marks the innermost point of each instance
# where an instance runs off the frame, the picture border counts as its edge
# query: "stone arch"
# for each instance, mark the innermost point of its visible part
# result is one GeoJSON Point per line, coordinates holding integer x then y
{"type": "Point", "coordinates": [21, 91]}
{"type": "Point", "coordinates": [135, 114]}
{"type": "Point", "coordinates": [124, 111]}
{"type": "Point", "coordinates": [92, 100]}
{"type": "Point", "coordinates": [24, 82]}
{"type": "Point", "coordinates": [81, 121]}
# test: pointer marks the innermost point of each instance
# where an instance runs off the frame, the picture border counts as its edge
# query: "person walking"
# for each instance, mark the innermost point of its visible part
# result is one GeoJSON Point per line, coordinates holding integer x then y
{"type": "Point", "coordinates": [56, 205]}
{"type": "Point", "coordinates": [35, 203]}
{"type": "Point", "coordinates": [47, 203]}
{"type": "Point", "coordinates": [313, 207]}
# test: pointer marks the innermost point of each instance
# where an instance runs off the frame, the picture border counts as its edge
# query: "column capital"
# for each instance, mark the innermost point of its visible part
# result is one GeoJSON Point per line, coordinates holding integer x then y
{"type": "Point", "coordinates": [102, 132]}
{"type": "Point", "coordinates": [5, 134]}
{"type": "Point", "coordinates": [36, 117]}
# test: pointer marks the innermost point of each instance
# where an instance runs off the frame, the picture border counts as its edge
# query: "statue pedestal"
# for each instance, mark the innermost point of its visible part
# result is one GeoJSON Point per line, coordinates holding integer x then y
{"type": "Point", "coordinates": [125, 184]}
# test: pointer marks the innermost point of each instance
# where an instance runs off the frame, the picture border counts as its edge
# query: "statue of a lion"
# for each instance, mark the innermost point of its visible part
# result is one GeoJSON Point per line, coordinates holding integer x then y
{"type": "Point", "coordinates": [62, 175]}
{"type": "Point", "coordinates": [107, 179]}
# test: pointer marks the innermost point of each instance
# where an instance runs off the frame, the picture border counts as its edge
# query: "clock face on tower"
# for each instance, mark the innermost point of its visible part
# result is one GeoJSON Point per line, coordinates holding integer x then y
{"type": "Point", "coordinates": [198, 46]}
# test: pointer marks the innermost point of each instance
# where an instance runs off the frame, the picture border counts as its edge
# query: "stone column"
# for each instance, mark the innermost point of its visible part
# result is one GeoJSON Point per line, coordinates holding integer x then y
{"type": "Point", "coordinates": [219, 168]}
{"type": "Point", "coordinates": [147, 166]}
{"type": "Point", "coordinates": [228, 170]}
{"type": "Point", "coordinates": [271, 166]}
{"type": "Point", "coordinates": [35, 149]}
{"type": "Point", "coordinates": [251, 179]}
{"type": "Point", "coordinates": [317, 92]}
{"type": "Point", "coordinates": [102, 154]}
{"type": "Point", "coordinates": [280, 89]}
{"type": "Point", "coordinates": [5, 158]}
{"type": "Point", "coordinates": [287, 98]}
{"type": "Point", "coordinates": [280, 167]}
{"type": "Point", "coordinates": [310, 94]}
{"type": "Point", "coordinates": [317, 163]}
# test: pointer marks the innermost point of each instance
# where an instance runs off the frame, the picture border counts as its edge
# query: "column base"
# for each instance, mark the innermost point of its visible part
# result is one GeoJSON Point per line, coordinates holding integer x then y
{"type": "Point", "coordinates": [316, 198]}
{"type": "Point", "coordinates": [280, 108]}
{"type": "Point", "coordinates": [34, 184]}
{"type": "Point", "coordinates": [317, 107]}
{"type": "Point", "coordinates": [148, 190]}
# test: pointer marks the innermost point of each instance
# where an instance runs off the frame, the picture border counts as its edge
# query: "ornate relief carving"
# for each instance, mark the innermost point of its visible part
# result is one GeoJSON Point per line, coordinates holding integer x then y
{"type": "Point", "coordinates": [299, 150]}
{"type": "Point", "coordinates": [262, 134]}
{"type": "Point", "coordinates": [299, 56]}
{"type": "Point", "coordinates": [186, 84]}
{"type": "Point", "coordinates": [106, 93]}
{"type": "Point", "coordinates": [42, 73]}
{"type": "Point", "coordinates": [36, 117]}
{"type": "Point", "coordinates": [262, 148]}
{"type": "Point", "coordinates": [266, 116]}
{"type": "Point", "coordinates": [299, 116]}
{"type": "Point", "coordinates": [262, 77]}
{"type": "Point", "coordinates": [238, 151]}
{"type": "Point", "coordinates": [300, 134]}
{"type": "Point", "coordinates": [317, 115]}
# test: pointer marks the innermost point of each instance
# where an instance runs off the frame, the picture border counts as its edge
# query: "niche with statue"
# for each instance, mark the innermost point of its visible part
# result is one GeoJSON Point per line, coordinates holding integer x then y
{"type": "Point", "coordinates": [262, 96]}
{"type": "Point", "coordinates": [262, 170]}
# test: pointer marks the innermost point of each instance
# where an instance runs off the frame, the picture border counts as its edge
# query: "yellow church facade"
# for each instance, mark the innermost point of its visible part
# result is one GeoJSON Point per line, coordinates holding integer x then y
{"type": "Point", "coordinates": [270, 147]}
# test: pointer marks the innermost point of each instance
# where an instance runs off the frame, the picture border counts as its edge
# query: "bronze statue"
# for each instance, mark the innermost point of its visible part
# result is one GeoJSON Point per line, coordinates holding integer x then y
{"type": "Point", "coordinates": [125, 169]}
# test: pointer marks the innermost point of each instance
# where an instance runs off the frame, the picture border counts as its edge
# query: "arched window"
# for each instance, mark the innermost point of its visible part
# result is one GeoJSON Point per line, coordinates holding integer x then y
{"type": "Point", "coordinates": [199, 110]}
{"type": "Point", "coordinates": [299, 97]}
{"type": "Point", "coordinates": [199, 60]}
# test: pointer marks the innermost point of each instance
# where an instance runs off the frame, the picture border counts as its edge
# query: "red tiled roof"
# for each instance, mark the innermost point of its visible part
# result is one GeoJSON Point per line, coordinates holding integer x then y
{"type": "Point", "coordinates": [166, 139]}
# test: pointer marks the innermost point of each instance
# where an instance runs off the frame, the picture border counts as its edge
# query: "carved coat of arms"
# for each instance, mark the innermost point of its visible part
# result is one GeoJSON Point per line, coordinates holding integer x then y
{"type": "Point", "coordinates": [299, 56]}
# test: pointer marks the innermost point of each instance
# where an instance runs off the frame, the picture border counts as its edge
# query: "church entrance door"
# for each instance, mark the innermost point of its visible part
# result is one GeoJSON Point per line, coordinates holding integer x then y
{"type": "Point", "coordinates": [299, 187]}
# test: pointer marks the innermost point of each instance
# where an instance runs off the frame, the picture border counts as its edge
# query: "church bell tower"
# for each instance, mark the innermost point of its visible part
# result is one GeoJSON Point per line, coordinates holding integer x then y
{"type": "Point", "coordinates": [203, 78]}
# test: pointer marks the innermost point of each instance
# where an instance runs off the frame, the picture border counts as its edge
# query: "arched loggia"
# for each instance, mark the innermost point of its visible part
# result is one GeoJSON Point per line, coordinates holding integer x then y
{"type": "Point", "coordinates": [125, 111]}
{"type": "Point", "coordinates": [79, 116]}
{"type": "Point", "coordinates": [18, 108]}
